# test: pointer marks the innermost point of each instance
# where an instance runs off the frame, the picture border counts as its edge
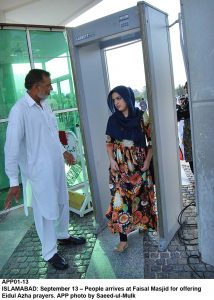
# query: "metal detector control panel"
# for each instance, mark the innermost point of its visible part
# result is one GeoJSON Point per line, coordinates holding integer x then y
{"type": "Point", "coordinates": [107, 27]}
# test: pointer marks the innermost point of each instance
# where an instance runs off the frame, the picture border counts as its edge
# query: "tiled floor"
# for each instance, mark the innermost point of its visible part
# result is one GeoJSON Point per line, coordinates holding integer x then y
{"type": "Point", "coordinates": [175, 262]}
{"type": "Point", "coordinates": [181, 259]}
{"type": "Point", "coordinates": [27, 262]}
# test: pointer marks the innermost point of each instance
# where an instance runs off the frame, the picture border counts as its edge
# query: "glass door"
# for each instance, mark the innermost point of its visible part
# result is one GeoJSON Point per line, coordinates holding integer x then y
{"type": "Point", "coordinates": [20, 50]}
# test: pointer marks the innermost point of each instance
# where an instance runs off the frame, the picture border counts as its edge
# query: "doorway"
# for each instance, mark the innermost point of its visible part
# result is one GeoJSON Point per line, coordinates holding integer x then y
{"type": "Point", "coordinates": [125, 66]}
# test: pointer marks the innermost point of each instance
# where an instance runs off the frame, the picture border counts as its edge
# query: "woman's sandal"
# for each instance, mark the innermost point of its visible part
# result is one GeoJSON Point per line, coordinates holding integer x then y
{"type": "Point", "coordinates": [120, 248]}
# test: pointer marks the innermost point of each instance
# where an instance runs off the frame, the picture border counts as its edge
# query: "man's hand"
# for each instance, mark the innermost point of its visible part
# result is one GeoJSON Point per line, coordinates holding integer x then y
{"type": "Point", "coordinates": [14, 192]}
{"type": "Point", "coordinates": [69, 158]}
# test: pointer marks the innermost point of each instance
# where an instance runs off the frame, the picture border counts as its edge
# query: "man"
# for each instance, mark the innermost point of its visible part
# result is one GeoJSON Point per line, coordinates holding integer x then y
{"type": "Point", "coordinates": [143, 104]}
{"type": "Point", "coordinates": [32, 143]}
{"type": "Point", "coordinates": [183, 113]}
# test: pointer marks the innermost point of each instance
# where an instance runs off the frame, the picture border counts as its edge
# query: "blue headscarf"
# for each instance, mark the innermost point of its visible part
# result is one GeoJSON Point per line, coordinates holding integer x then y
{"type": "Point", "coordinates": [120, 127]}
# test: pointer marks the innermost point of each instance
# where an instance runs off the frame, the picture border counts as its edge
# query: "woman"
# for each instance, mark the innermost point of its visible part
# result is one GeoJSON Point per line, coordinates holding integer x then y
{"type": "Point", "coordinates": [132, 205]}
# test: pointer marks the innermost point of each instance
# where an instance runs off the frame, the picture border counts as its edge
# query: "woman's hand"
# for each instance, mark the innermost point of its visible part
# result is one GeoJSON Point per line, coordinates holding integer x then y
{"type": "Point", "coordinates": [146, 165]}
{"type": "Point", "coordinates": [147, 161]}
{"type": "Point", "coordinates": [114, 167]}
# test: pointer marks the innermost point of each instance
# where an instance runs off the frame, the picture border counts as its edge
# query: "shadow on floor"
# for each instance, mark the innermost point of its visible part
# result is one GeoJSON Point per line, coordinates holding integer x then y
{"type": "Point", "coordinates": [105, 263]}
{"type": "Point", "coordinates": [13, 226]}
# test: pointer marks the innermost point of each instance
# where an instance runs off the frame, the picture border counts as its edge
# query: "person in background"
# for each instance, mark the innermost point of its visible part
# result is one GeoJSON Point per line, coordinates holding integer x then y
{"type": "Point", "coordinates": [143, 104]}
{"type": "Point", "coordinates": [32, 144]}
{"type": "Point", "coordinates": [128, 143]}
{"type": "Point", "coordinates": [180, 129]}
{"type": "Point", "coordinates": [183, 114]}
{"type": "Point", "coordinates": [144, 108]}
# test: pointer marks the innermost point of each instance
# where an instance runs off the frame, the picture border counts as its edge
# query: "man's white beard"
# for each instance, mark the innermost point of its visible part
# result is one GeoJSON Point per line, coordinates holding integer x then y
{"type": "Point", "coordinates": [42, 96]}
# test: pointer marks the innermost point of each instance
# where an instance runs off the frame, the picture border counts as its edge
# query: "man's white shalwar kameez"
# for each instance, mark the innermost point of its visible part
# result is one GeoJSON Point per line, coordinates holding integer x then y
{"type": "Point", "coordinates": [32, 143]}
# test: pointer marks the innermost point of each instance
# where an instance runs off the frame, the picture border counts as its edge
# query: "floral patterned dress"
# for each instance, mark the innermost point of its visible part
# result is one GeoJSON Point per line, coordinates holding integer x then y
{"type": "Point", "coordinates": [133, 203]}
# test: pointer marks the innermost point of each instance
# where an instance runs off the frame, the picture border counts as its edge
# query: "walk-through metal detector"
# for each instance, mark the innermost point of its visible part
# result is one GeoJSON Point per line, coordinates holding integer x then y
{"type": "Point", "coordinates": [87, 46]}
{"type": "Point", "coordinates": [198, 23]}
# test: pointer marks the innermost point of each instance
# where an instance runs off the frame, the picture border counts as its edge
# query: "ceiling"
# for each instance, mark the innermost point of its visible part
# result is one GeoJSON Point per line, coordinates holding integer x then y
{"type": "Point", "coordinates": [43, 12]}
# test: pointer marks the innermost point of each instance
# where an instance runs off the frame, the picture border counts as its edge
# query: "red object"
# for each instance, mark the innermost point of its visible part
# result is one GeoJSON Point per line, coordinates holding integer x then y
{"type": "Point", "coordinates": [181, 154]}
{"type": "Point", "coordinates": [63, 137]}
